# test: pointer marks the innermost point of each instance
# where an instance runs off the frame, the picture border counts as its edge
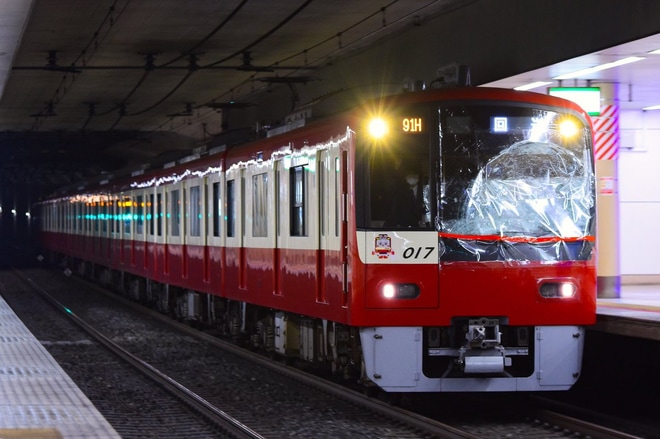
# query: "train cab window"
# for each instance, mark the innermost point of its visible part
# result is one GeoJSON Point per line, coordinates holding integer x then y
{"type": "Point", "coordinates": [231, 208]}
{"type": "Point", "coordinates": [195, 211]}
{"type": "Point", "coordinates": [298, 188]}
{"type": "Point", "coordinates": [491, 158]}
{"type": "Point", "coordinates": [216, 214]}
{"type": "Point", "coordinates": [175, 213]}
{"type": "Point", "coordinates": [260, 205]}
{"type": "Point", "coordinates": [398, 174]}
{"type": "Point", "coordinates": [400, 189]}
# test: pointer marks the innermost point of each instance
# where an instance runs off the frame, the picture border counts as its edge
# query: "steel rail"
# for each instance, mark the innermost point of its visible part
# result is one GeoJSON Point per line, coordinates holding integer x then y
{"type": "Point", "coordinates": [215, 415]}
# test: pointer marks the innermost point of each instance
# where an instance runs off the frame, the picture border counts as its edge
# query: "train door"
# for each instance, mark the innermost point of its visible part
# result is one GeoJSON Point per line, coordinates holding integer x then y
{"type": "Point", "coordinates": [234, 227]}
{"type": "Point", "coordinates": [77, 227]}
{"type": "Point", "coordinates": [329, 213]}
{"type": "Point", "coordinates": [175, 256]}
{"type": "Point", "coordinates": [215, 230]}
{"type": "Point", "coordinates": [259, 232]}
{"type": "Point", "coordinates": [195, 237]}
{"type": "Point", "coordinates": [149, 229]}
{"type": "Point", "coordinates": [279, 206]}
{"type": "Point", "coordinates": [104, 233]}
{"type": "Point", "coordinates": [159, 249]}
{"type": "Point", "coordinates": [86, 241]}
{"type": "Point", "coordinates": [115, 237]}
{"type": "Point", "coordinates": [126, 215]}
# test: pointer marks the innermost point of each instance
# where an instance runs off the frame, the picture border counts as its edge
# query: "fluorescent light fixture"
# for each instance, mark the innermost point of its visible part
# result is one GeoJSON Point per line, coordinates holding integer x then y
{"type": "Point", "coordinates": [655, 52]}
{"type": "Point", "coordinates": [598, 68]}
{"type": "Point", "coordinates": [652, 107]}
{"type": "Point", "coordinates": [532, 85]}
{"type": "Point", "coordinates": [586, 97]}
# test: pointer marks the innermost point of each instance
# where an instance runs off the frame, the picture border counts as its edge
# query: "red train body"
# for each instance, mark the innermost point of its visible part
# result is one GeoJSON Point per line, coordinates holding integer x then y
{"type": "Point", "coordinates": [478, 275]}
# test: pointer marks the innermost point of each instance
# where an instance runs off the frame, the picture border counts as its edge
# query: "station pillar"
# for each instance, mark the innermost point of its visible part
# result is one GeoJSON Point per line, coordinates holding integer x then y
{"type": "Point", "coordinates": [606, 151]}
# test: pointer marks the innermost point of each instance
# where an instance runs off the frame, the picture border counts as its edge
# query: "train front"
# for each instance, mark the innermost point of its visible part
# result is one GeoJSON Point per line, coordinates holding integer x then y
{"type": "Point", "coordinates": [475, 233]}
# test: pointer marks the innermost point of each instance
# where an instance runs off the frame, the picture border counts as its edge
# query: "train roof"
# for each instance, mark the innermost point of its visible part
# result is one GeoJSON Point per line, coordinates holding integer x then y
{"type": "Point", "coordinates": [221, 157]}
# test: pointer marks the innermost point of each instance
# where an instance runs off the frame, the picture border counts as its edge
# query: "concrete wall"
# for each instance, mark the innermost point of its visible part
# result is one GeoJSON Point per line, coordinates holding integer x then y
{"type": "Point", "coordinates": [639, 193]}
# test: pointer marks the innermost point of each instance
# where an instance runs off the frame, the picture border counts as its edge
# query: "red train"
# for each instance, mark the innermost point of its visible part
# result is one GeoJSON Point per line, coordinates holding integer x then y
{"type": "Point", "coordinates": [439, 240]}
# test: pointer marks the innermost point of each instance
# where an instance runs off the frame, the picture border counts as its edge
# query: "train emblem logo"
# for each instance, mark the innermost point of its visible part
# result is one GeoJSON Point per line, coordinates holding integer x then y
{"type": "Point", "coordinates": [383, 246]}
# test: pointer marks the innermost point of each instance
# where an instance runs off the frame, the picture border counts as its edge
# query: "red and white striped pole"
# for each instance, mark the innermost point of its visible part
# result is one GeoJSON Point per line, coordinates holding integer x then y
{"type": "Point", "coordinates": [606, 152]}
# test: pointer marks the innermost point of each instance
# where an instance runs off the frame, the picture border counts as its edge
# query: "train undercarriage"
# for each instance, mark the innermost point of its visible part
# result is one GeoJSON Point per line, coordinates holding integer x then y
{"type": "Point", "coordinates": [473, 354]}
{"type": "Point", "coordinates": [322, 345]}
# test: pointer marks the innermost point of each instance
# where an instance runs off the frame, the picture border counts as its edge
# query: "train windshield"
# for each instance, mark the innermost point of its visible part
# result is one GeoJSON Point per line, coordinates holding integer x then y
{"type": "Point", "coordinates": [486, 173]}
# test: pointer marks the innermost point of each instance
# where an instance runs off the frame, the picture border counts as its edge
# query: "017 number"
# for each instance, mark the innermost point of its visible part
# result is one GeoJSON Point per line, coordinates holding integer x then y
{"type": "Point", "coordinates": [417, 252]}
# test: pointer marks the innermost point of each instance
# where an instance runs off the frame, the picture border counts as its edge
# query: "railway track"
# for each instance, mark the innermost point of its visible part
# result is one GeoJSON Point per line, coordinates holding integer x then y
{"type": "Point", "coordinates": [310, 401]}
{"type": "Point", "coordinates": [335, 412]}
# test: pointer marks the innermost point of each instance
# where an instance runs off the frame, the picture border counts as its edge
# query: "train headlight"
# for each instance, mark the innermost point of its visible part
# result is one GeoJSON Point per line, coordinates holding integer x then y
{"type": "Point", "coordinates": [557, 289]}
{"type": "Point", "coordinates": [400, 291]}
{"type": "Point", "coordinates": [568, 128]}
{"type": "Point", "coordinates": [378, 128]}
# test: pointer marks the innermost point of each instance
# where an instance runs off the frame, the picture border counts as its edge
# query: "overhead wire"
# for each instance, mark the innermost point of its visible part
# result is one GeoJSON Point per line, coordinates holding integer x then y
{"type": "Point", "coordinates": [322, 42]}
{"type": "Point", "coordinates": [233, 55]}
{"type": "Point", "coordinates": [207, 37]}
{"type": "Point", "coordinates": [303, 52]}
{"type": "Point", "coordinates": [188, 53]}
{"type": "Point", "coordinates": [290, 17]}
{"type": "Point", "coordinates": [92, 43]}
{"type": "Point", "coordinates": [337, 36]}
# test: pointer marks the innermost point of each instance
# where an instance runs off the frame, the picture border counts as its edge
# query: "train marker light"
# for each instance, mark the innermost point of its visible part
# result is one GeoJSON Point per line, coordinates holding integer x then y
{"type": "Point", "coordinates": [388, 291]}
{"type": "Point", "coordinates": [400, 291]}
{"type": "Point", "coordinates": [558, 290]}
{"type": "Point", "coordinates": [378, 128]}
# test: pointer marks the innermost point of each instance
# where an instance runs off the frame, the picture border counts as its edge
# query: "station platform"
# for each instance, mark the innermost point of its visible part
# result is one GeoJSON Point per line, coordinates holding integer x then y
{"type": "Point", "coordinates": [37, 398]}
{"type": "Point", "coordinates": [636, 313]}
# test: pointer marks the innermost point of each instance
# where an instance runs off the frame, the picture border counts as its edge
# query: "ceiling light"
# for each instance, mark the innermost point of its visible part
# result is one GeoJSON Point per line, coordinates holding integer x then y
{"type": "Point", "coordinates": [652, 107]}
{"type": "Point", "coordinates": [532, 85]}
{"type": "Point", "coordinates": [598, 68]}
{"type": "Point", "coordinates": [655, 52]}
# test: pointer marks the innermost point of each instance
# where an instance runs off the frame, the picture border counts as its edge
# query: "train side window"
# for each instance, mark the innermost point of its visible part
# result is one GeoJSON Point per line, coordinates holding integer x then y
{"type": "Point", "coordinates": [260, 205]}
{"type": "Point", "coordinates": [114, 221]}
{"type": "Point", "coordinates": [76, 217]}
{"type": "Point", "coordinates": [323, 191]}
{"type": "Point", "coordinates": [217, 211]}
{"type": "Point", "coordinates": [231, 208]}
{"type": "Point", "coordinates": [81, 218]}
{"type": "Point", "coordinates": [338, 194]}
{"type": "Point", "coordinates": [159, 214]}
{"type": "Point", "coordinates": [139, 214]}
{"type": "Point", "coordinates": [104, 218]}
{"type": "Point", "coordinates": [297, 184]}
{"type": "Point", "coordinates": [195, 211]}
{"type": "Point", "coordinates": [95, 216]}
{"type": "Point", "coordinates": [90, 216]}
{"type": "Point", "coordinates": [175, 213]}
{"type": "Point", "coordinates": [151, 215]}
{"type": "Point", "coordinates": [126, 214]}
